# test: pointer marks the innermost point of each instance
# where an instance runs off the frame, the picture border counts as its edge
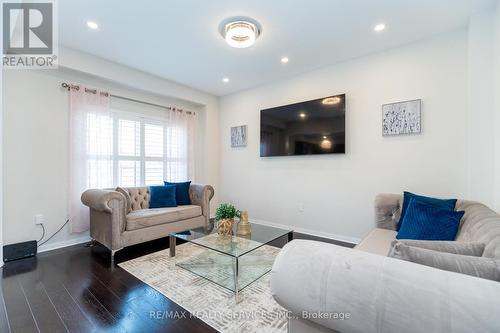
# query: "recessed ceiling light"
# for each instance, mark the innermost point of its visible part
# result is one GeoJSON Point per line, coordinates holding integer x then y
{"type": "Point", "coordinates": [302, 115]}
{"type": "Point", "coordinates": [225, 79]}
{"type": "Point", "coordinates": [240, 32]}
{"type": "Point", "coordinates": [284, 60]}
{"type": "Point", "coordinates": [379, 27]}
{"type": "Point", "coordinates": [92, 25]}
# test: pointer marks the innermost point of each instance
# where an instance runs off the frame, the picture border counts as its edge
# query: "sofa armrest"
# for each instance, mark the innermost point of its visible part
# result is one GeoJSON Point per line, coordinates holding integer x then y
{"type": "Point", "coordinates": [201, 195]}
{"type": "Point", "coordinates": [100, 199]}
{"type": "Point", "coordinates": [379, 293]}
{"type": "Point", "coordinates": [388, 210]}
{"type": "Point", "coordinates": [108, 210]}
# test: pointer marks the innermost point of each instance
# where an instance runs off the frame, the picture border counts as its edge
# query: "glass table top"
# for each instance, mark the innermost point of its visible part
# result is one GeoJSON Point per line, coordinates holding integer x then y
{"type": "Point", "coordinates": [232, 245]}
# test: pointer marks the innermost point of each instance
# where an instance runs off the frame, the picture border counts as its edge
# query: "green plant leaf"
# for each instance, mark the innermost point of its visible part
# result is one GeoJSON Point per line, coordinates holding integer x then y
{"type": "Point", "coordinates": [226, 211]}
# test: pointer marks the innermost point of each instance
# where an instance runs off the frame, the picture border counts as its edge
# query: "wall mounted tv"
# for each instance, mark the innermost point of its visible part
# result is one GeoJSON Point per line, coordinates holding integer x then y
{"type": "Point", "coordinates": [306, 128]}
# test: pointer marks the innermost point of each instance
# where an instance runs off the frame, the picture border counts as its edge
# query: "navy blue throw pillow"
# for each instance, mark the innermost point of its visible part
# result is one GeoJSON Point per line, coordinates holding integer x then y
{"type": "Point", "coordinates": [443, 203]}
{"type": "Point", "coordinates": [181, 192]}
{"type": "Point", "coordinates": [162, 196]}
{"type": "Point", "coordinates": [428, 222]}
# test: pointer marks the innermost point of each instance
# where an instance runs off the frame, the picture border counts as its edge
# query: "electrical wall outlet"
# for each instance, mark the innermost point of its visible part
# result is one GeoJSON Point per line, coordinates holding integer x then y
{"type": "Point", "coordinates": [39, 219]}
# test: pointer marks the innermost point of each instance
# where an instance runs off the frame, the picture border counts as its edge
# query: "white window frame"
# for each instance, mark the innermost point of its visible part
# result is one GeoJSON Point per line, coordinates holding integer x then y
{"type": "Point", "coordinates": [118, 115]}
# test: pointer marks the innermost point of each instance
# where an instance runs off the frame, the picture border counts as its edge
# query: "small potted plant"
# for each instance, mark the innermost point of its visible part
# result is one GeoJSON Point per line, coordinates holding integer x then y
{"type": "Point", "coordinates": [224, 215]}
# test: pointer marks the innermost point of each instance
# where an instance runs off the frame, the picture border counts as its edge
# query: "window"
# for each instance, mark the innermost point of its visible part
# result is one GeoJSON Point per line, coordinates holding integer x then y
{"type": "Point", "coordinates": [133, 151]}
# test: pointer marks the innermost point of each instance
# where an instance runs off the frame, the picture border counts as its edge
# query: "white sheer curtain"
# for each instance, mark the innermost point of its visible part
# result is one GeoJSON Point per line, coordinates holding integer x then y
{"type": "Point", "coordinates": [179, 143]}
{"type": "Point", "coordinates": [109, 148]}
{"type": "Point", "coordinates": [91, 149]}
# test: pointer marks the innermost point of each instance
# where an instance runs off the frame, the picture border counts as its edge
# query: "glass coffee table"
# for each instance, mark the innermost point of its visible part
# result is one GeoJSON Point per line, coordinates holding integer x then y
{"type": "Point", "coordinates": [233, 261]}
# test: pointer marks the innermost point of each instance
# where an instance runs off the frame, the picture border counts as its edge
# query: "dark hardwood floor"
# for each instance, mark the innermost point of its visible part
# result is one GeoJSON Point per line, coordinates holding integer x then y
{"type": "Point", "coordinates": [75, 289]}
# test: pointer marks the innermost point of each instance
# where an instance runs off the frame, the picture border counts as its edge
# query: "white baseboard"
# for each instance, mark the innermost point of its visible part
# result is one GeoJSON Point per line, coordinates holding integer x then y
{"type": "Point", "coordinates": [86, 238]}
{"type": "Point", "coordinates": [347, 239]}
{"type": "Point", "coordinates": [58, 245]}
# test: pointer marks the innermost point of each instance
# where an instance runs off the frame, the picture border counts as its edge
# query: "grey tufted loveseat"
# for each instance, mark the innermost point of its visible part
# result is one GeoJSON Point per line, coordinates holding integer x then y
{"type": "Point", "coordinates": [122, 217]}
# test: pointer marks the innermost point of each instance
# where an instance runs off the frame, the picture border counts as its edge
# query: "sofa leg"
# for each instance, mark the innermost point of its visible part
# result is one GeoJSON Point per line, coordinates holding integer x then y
{"type": "Point", "coordinates": [91, 243]}
{"type": "Point", "coordinates": [113, 252]}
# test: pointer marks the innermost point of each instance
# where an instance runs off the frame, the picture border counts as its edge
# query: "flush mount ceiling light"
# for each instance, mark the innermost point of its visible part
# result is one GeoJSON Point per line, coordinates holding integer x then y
{"type": "Point", "coordinates": [240, 32]}
{"type": "Point", "coordinates": [331, 100]}
{"type": "Point", "coordinates": [379, 27]}
{"type": "Point", "coordinates": [92, 25]}
{"type": "Point", "coordinates": [284, 60]}
{"type": "Point", "coordinates": [225, 80]}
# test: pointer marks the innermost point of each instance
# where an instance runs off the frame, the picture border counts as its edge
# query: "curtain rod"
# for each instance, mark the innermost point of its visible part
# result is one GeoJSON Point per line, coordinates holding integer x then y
{"type": "Point", "coordinates": [68, 86]}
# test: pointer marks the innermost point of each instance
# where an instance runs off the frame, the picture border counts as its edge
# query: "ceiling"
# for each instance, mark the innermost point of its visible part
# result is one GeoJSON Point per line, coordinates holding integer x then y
{"type": "Point", "coordinates": [179, 40]}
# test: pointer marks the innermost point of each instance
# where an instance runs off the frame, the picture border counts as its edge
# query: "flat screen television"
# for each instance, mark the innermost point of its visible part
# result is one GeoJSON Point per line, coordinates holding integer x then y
{"type": "Point", "coordinates": [305, 128]}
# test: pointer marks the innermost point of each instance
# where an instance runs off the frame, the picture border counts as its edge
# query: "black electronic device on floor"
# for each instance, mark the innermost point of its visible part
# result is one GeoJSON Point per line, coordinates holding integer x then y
{"type": "Point", "coordinates": [19, 251]}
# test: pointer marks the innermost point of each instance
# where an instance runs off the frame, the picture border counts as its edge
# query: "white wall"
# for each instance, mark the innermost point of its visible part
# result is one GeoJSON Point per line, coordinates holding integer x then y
{"type": "Point", "coordinates": [1, 157]}
{"type": "Point", "coordinates": [484, 107]}
{"type": "Point", "coordinates": [337, 191]}
{"type": "Point", "coordinates": [497, 109]}
{"type": "Point", "coordinates": [480, 120]}
{"type": "Point", "coordinates": [35, 137]}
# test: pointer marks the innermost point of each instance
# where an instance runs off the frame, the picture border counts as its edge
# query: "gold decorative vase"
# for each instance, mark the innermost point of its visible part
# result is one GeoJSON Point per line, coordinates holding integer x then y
{"type": "Point", "coordinates": [244, 228]}
{"type": "Point", "coordinates": [225, 227]}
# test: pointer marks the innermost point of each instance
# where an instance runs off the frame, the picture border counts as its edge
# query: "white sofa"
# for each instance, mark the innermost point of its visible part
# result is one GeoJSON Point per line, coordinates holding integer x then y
{"type": "Point", "coordinates": [383, 294]}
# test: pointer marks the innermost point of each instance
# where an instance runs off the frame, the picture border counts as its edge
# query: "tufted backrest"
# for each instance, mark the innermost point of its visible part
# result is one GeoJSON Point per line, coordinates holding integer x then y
{"type": "Point", "coordinates": [479, 223]}
{"type": "Point", "coordinates": [137, 197]}
{"type": "Point", "coordinates": [388, 210]}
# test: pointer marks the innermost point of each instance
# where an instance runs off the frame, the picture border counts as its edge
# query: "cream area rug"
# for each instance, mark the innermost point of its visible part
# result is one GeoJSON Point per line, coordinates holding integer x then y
{"type": "Point", "coordinates": [254, 310]}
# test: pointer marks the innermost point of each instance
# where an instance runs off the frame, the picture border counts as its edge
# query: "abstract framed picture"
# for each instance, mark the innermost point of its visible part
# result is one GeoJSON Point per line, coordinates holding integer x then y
{"type": "Point", "coordinates": [402, 118]}
{"type": "Point", "coordinates": [239, 136]}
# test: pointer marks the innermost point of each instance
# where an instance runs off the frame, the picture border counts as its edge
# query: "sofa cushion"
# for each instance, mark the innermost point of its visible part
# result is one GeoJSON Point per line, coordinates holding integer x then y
{"type": "Point", "coordinates": [378, 241]}
{"type": "Point", "coordinates": [429, 222]}
{"type": "Point", "coordinates": [475, 249]}
{"type": "Point", "coordinates": [162, 196]}
{"type": "Point", "coordinates": [408, 196]}
{"type": "Point", "coordinates": [181, 192]}
{"type": "Point", "coordinates": [486, 268]}
{"type": "Point", "coordinates": [138, 219]}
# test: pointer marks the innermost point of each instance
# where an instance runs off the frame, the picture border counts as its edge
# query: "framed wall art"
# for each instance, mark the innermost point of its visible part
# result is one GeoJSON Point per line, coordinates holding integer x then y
{"type": "Point", "coordinates": [239, 136]}
{"type": "Point", "coordinates": [402, 118]}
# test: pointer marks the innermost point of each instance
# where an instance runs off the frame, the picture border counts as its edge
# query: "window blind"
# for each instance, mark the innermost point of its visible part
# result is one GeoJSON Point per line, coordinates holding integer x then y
{"type": "Point", "coordinates": [133, 150]}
